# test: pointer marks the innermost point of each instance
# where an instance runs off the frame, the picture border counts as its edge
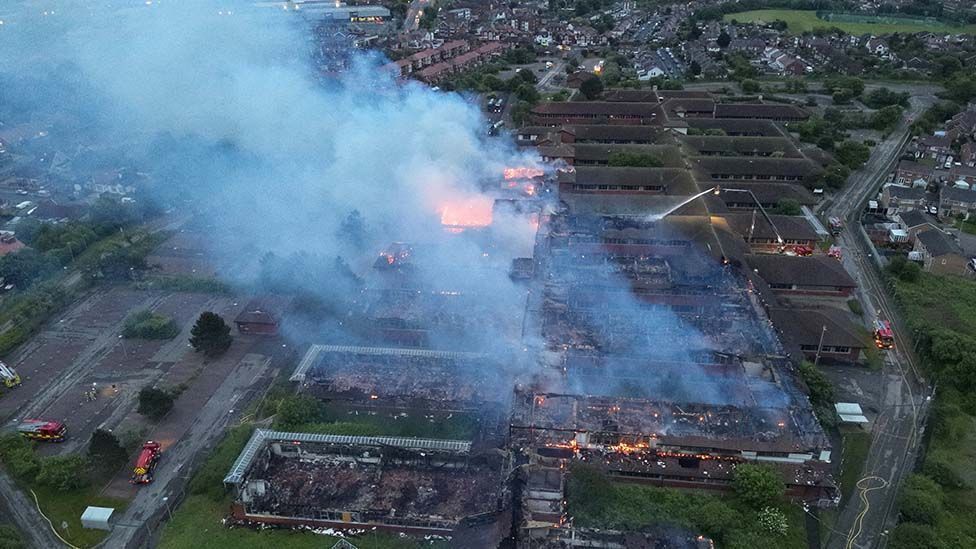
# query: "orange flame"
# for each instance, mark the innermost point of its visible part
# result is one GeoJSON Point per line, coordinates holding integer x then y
{"type": "Point", "coordinates": [469, 212]}
{"type": "Point", "coordinates": [522, 173]}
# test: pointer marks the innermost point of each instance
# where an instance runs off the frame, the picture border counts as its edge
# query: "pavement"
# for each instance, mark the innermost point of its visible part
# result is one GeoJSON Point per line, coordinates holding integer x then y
{"type": "Point", "coordinates": [412, 20]}
{"type": "Point", "coordinates": [18, 507]}
{"type": "Point", "coordinates": [903, 398]}
{"type": "Point", "coordinates": [154, 501]}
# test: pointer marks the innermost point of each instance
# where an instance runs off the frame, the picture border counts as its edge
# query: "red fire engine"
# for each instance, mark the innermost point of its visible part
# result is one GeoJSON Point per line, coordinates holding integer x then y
{"type": "Point", "coordinates": [43, 429]}
{"type": "Point", "coordinates": [835, 252]}
{"type": "Point", "coordinates": [145, 463]}
{"type": "Point", "coordinates": [884, 337]}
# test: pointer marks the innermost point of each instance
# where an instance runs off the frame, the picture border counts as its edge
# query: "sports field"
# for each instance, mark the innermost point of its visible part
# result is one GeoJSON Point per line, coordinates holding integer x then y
{"type": "Point", "coordinates": [802, 20]}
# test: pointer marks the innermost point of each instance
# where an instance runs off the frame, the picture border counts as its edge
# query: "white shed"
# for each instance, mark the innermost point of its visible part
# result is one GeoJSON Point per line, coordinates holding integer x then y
{"type": "Point", "coordinates": [98, 518]}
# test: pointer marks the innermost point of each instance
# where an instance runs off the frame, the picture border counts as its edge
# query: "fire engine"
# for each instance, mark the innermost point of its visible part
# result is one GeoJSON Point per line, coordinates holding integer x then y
{"type": "Point", "coordinates": [884, 338]}
{"type": "Point", "coordinates": [835, 252]}
{"type": "Point", "coordinates": [9, 376]}
{"type": "Point", "coordinates": [146, 462]}
{"type": "Point", "coordinates": [43, 429]}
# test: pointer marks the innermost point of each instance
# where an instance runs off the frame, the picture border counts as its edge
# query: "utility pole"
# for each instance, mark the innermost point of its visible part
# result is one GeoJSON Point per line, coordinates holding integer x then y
{"type": "Point", "coordinates": [820, 345]}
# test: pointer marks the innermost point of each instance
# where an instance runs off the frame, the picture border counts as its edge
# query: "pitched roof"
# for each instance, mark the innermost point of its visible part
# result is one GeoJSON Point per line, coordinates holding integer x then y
{"type": "Point", "coordinates": [938, 243]}
{"type": "Point", "coordinates": [790, 227]}
{"type": "Point", "coordinates": [795, 167]}
{"type": "Point", "coordinates": [949, 192]}
{"type": "Point", "coordinates": [732, 146]}
{"type": "Point", "coordinates": [677, 181]}
{"type": "Point", "coordinates": [609, 132]}
{"type": "Point", "coordinates": [734, 125]}
{"type": "Point", "coordinates": [902, 192]}
{"type": "Point", "coordinates": [817, 270]}
{"type": "Point", "coordinates": [600, 152]}
{"type": "Point", "coordinates": [599, 108]}
{"type": "Point", "coordinates": [759, 110]}
{"type": "Point", "coordinates": [768, 193]}
{"type": "Point", "coordinates": [916, 218]}
{"type": "Point", "coordinates": [805, 326]}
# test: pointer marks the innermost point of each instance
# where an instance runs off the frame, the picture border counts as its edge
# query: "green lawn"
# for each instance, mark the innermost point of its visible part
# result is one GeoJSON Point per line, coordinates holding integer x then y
{"type": "Point", "coordinates": [856, 445]}
{"type": "Point", "coordinates": [199, 518]}
{"type": "Point", "coordinates": [939, 301]}
{"type": "Point", "coordinates": [208, 503]}
{"type": "Point", "coordinates": [67, 507]}
{"type": "Point", "coordinates": [597, 502]}
{"type": "Point", "coordinates": [803, 20]}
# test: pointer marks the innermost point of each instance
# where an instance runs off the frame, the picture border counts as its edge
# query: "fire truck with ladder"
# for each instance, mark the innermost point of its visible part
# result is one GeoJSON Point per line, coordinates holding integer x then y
{"type": "Point", "coordinates": [884, 337]}
{"type": "Point", "coordinates": [43, 429]}
{"type": "Point", "coordinates": [146, 463]}
{"type": "Point", "coordinates": [9, 375]}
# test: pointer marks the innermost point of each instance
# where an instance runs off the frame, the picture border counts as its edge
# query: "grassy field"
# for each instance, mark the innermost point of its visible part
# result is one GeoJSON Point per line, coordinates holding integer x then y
{"type": "Point", "coordinates": [948, 302]}
{"type": "Point", "coordinates": [856, 446]}
{"type": "Point", "coordinates": [595, 501]}
{"type": "Point", "coordinates": [66, 508]}
{"type": "Point", "coordinates": [201, 514]}
{"type": "Point", "coordinates": [943, 301]}
{"type": "Point", "coordinates": [801, 21]}
{"type": "Point", "coordinates": [199, 517]}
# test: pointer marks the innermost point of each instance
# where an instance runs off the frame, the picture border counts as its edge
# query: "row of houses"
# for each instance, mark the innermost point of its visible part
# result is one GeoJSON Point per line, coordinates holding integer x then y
{"type": "Point", "coordinates": [750, 163]}
{"type": "Point", "coordinates": [434, 64]}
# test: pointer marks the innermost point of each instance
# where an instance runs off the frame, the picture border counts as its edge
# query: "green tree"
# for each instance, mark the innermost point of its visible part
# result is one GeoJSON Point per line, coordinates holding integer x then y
{"type": "Point", "coordinates": [210, 335]}
{"type": "Point", "coordinates": [17, 455]}
{"type": "Point", "coordinates": [521, 112]}
{"type": "Point", "coordinates": [25, 267]}
{"type": "Point", "coordinates": [758, 485]}
{"type": "Point", "coordinates": [527, 93]}
{"type": "Point", "coordinates": [155, 403]}
{"type": "Point", "coordinates": [723, 40]}
{"type": "Point", "coordinates": [852, 154]}
{"type": "Point", "coordinates": [297, 410]}
{"type": "Point", "coordinates": [694, 69]}
{"type": "Point", "coordinates": [64, 472]}
{"type": "Point", "coordinates": [105, 451]}
{"type": "Point", "coordinates": [909, 535]}
{"type": "Point", "coordinates": [526, 75]}
{"type": "Point", "coordinates": [751, 86]}
{"type": "Point", "coordinates": [146, 324]}
{"type": "Point", "coordinates": [10, 538]}
{"type": "Point", "coordinates": [887, 118]}
{"type": "Point", "coordinates": [591, 88]}
{"type": "Point", "coordinates": [787, 206]}
{"type": "Point", "coordinates": [883, 97]}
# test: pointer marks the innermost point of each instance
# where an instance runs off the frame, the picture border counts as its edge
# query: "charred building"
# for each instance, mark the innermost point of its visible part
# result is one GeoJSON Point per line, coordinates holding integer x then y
{"type": "Point", "coordinates": [409, 485]}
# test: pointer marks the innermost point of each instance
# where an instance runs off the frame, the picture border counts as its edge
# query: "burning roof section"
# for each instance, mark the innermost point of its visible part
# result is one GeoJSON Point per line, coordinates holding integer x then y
{"type": "Point", "coordinates": [433, 379]}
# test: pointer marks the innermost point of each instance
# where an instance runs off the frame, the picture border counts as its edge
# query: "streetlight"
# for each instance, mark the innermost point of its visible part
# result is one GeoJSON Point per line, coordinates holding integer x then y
{"type": "Point", "coordinates": [820, 345]}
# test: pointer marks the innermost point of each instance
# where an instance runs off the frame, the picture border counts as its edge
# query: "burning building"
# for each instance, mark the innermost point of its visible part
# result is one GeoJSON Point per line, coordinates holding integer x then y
{"type": "Point", "coordinates": [401, 383]}
{"type": "Point", "coordinates": [419, 486]}
{"type": "Point", "coordinates": [660, 364]}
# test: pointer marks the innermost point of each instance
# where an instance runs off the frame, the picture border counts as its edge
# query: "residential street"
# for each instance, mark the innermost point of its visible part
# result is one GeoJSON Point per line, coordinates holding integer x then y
{"type": "Point", "coordinates": [868, 515]}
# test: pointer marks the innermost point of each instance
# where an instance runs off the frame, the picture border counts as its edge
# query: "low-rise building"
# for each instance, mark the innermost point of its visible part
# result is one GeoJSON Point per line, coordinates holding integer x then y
{"type": "Point", "coordinates": [954, 201]}
{"type": "Point", "coordinates": [941, 254]}
{"type": "Point", "coordinates": [816, 276]}
{"type": "Point", "coordinates": [826, 332]}
{"type": "Point", "coordinates": [899, 198]}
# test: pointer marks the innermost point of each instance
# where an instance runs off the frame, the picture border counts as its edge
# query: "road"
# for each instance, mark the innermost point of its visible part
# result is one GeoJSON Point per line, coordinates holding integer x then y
{"type": "Point", "coordinates": [412, 20]}
{"type": "Point", "coordinates": [157, 499]}
{"type": "Point", "coordinates": [870, 513]}
{"type": "Point", "coordinates": [557, 68]}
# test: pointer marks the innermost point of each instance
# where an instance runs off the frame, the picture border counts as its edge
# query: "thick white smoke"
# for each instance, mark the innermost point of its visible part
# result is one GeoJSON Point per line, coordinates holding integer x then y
{"type": "Point", "coordinates": [227, 115]}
